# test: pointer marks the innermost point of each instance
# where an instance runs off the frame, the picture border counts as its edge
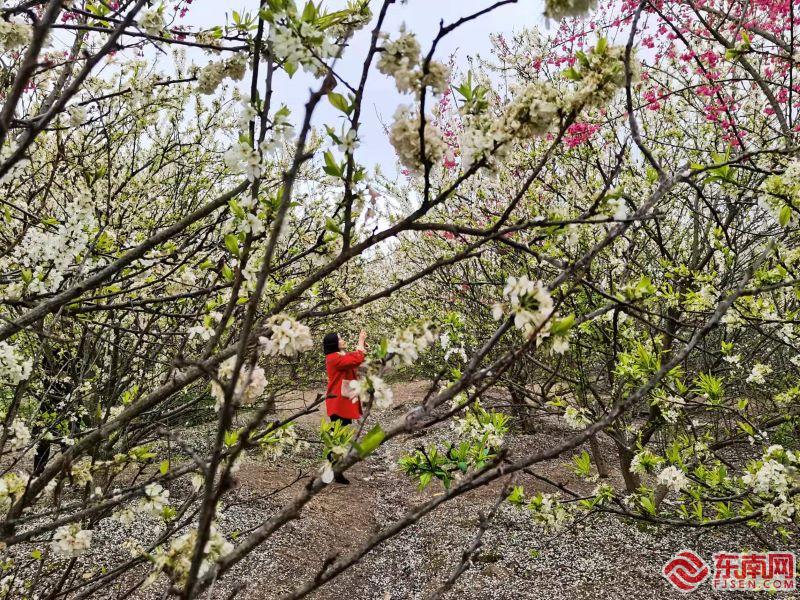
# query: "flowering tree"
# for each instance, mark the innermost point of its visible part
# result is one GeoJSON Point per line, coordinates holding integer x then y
{"type": "Point", "coordinates": [608, 214]}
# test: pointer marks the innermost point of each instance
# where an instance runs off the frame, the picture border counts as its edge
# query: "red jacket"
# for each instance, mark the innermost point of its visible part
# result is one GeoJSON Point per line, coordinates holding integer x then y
{"type": "Point", "coordinates": [341, 367]}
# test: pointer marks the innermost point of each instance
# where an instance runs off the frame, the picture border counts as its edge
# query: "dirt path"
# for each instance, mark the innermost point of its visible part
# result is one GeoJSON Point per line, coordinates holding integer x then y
{"type": "Point", "coordinates": [597, 558]}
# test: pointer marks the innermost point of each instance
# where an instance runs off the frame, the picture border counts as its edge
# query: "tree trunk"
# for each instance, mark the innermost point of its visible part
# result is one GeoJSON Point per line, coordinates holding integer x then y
{"type": "Point", "coordinates": [632, 481]}
{"type": "Point", "coordinates": [597, 456]}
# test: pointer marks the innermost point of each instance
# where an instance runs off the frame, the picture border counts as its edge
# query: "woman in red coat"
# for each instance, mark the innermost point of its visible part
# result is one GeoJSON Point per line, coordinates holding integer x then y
{"type": "Point", "coordinates": [341, 366]}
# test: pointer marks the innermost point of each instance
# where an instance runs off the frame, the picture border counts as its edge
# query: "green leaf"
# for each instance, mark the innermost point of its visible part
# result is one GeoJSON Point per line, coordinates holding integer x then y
{"type": "Point", "coordinates": [785, 215]}
{"type": "Point", "coordinates": [371, 441]}
{"type": "Point", "coordinates": [227, 273]}
{"type": "Point", "coordinates": [424, 480]}
{"type": "Point", "coordinates": [236, 209]}
{"type": "Point", "coordinates": [562, 326]}
{"type": "Point", "coordinates": [290, 68]}
{"type": "Point", "coordinates": [309, 12]}
{"type": "Point", "coordinates": [232, 244]}
{"type": "Point", "coordinates": [36, 554]}
{"type": "Point", "coordinates": [331, 225]}
{"type": "Point", "coordinates": [164, 466]}
{"type": "Point", "coordinates": [231, 437]}
{"type": "Point", "coordinates": [339, 102]}
{"type": "Point", "coordinates": [747, 428]}
{"type": "Point", "coordinates": [331, 168]}
{"type": "Point", "coordinates": [583, 464]}
{"type": "Point", "coordinates": [602, 44]}
{"type": "Point", "coordinates": [572, 74]}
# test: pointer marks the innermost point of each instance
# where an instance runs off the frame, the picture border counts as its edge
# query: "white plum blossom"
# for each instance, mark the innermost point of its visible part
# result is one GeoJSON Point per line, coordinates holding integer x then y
{"type": "Point", "coordinates": [360, 389]}
{"type": "Point", "coordinates": [249, 385]}
{"type": "Point", "coordinates": [529, 302]}
{"type": "Point", "coordinates": [176, 559]}
{"type": "Point", "coordinates": [77, 115]}
{"type": "Point", "coordinates": [531, 113]}
{"type": "Point", "coordinates": [70, 540]}
{"type": "Point", "coordinates": [12, 486]}
{"type": "Point", "coordinates": [400, 58]}
{"type": "Point", "coordinates": [673, 478]}
{"type": "Point", "coordinates": [214, 73]}
{"type": "Point", "coordinates": [617, 209]}
{"type": "Point", "coordinates": [49, 254]}
{"type": "Point", "coordinates": [769, 478]}
{"type": "Point", "coordinates": [244, 158]}
{"type": "Point", "coordinates": [19, 433]}
{"type": "Point", "coordinates": [152, 21]}
{"type": "Point", "coordinates": [14, 367]}
{"type": "Point", "coordinates": [406, 346]}
{"type": "Point", "coordinates": [14, 34]}
{"type": "Point", "coordinates": [560, 344]}
{"type": "Point", "coordinates": [304, 45]}
{"type": "Point", "coordinates": [156, 498]}
{"type": "Point", "coordinates": [404, 137]}
{"type": "Point", "coordinates": [779, 513]}
{"type": "Point", "coordinates": [548, 512]}
{"type": "Point", "coordinates": [759, 373]}
{"type": "Point", "coordinates": [288, 336]}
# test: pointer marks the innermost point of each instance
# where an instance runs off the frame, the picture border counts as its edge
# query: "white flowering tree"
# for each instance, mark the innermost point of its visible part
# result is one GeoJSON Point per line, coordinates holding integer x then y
{"type": "Point", "coordinates": [608, 234]}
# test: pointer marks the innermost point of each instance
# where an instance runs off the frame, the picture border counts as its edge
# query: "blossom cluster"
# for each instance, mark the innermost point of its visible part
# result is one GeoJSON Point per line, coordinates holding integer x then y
{"type": "Point", "coordinates": [250, 384]}
{"type": "Point", "coordinates": [758, 374]}
{"type": "Point", "coordinates": [14, 367]}
{"type": "Point", "coordinates": [70, 540]}
{"type": "Point", "coordinates": [288, 337]}
{"type": "Point", "coordinates": [400, 59]}
{"type": "Point", "coordinates": [481, 426]}
{"type": "Point", "coordinates": [302, 43]}
{"type": "Point", "coordinates": [673, 478]}
{"type": "Point", "coordinates": [243, 157]}
{"type": "Point", "coordinates": [277, 441]}
{"type": "Point", "coordinates": [529, 302]}
{"type": "Point", "coordinates": [175, 559]}
{"type": "Point", "coordinates": [46, 254]}
{"type": "Point", "coordinates": [548, 512]}
{"type": "Point", "coordinates": [532, 112]}
{"type": "Point", "coordinates": [152, 21]}
{"type": "Point", "coordinates": [14, 34]}
{"type": "Point", "coordinates": [12, 487]}
{"type": "Point", "coordinates": [360, 389]}
{"type": "Point", "coordinates": [214, 73]}
{"type": "Point", "coordinates": [405, 346]}
{"type": "Point", "coordinates": [404, 137]}
{"type": "Point", "coordinates": [773, 478]}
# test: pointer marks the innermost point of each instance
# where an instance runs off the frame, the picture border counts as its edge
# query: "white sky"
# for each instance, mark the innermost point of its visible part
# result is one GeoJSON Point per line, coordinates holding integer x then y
{"type": "Point", "coordinates": [381, 98]}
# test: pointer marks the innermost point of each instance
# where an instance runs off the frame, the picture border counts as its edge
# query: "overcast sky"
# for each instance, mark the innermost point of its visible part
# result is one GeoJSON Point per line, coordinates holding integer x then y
{"type": "Point", "coordinates": [381, 98]}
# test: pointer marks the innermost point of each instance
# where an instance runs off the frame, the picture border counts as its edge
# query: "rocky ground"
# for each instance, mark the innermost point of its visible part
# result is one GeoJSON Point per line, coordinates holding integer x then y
{"type": "Point", "coordinates": [599, 557]}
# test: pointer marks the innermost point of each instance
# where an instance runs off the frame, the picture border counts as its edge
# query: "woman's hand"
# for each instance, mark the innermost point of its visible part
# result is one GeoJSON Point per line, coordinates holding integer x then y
{"type": "Point", "coordinates": [362, 340]}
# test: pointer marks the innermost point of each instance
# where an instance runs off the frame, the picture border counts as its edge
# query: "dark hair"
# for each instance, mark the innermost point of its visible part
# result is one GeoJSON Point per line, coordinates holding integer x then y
{"type": "Point", "coordinates": [330, 343]}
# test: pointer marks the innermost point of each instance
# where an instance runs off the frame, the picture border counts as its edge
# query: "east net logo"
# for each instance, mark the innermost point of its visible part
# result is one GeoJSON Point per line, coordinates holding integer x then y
{"type": "Point", "coordinates": [744, 571]}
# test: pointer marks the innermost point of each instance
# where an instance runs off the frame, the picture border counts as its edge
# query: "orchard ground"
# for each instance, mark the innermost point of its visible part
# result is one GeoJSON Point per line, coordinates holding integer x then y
{"type": "Point", "coordinates": [598, 557]}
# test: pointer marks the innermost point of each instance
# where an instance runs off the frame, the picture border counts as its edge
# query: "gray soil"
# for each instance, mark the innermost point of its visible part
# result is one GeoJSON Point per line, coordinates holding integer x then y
{"type": "Point", "coordinates": [599, 557]}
